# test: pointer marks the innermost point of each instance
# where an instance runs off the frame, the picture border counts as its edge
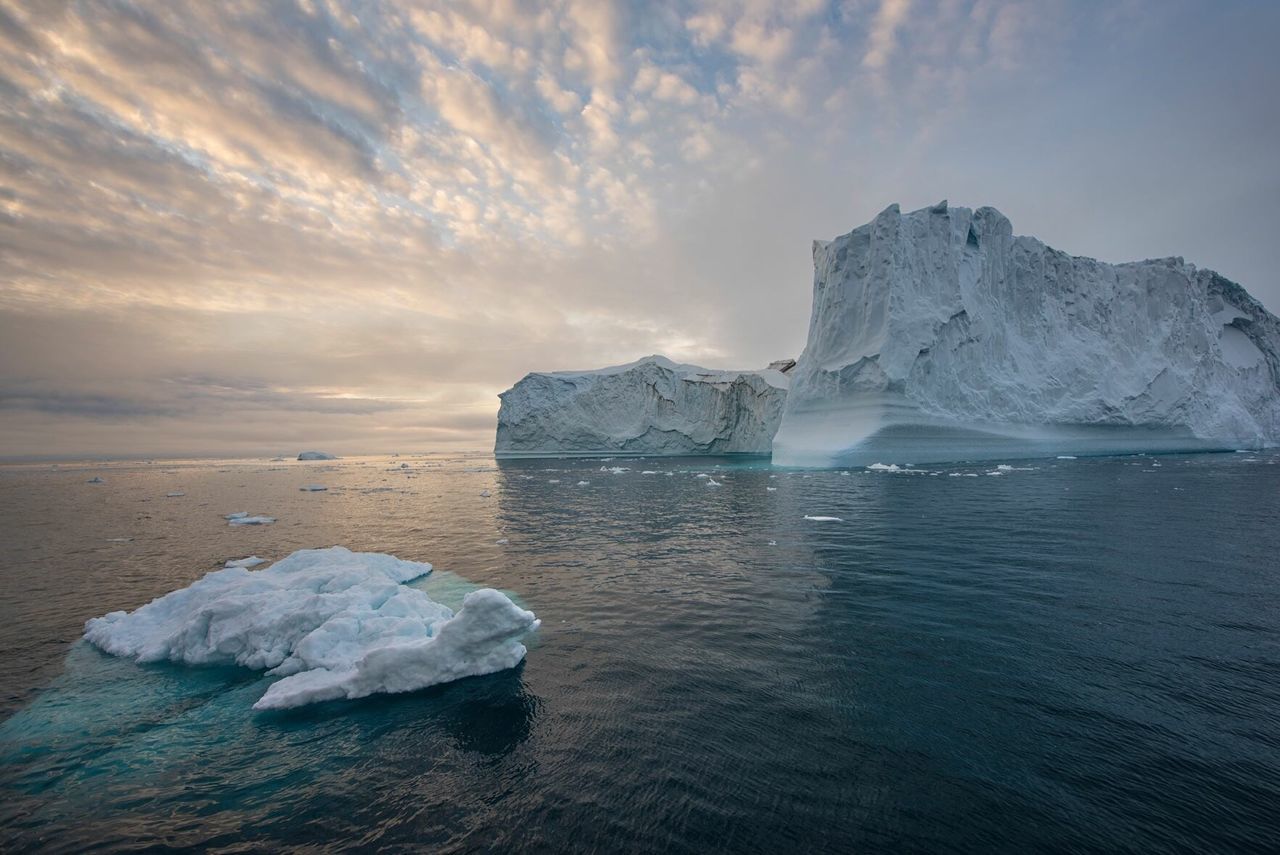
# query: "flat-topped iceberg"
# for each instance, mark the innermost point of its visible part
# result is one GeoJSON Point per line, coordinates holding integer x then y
{"type": "Point", "coordinates": [333, 623]}
{"type": "Point", "coordinates": [649, 407]}
{"type": "Point", "coordinates": [316, 455]}
{"type": "Point", "coordinates": [938, 335]}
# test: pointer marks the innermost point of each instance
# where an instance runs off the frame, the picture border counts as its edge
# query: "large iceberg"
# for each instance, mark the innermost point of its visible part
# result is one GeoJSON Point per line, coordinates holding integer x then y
{"type": "Point", "coordinates": [651, 406]}
{"type": "Point", "coordinates": [333, 623]}
{"type": "Point", "coordinates": [938, 335]}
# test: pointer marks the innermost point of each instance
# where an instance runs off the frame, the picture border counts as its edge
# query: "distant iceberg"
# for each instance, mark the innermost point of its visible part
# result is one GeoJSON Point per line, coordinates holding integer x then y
{"type": "Point", "coordinates": [938, 335]}
{"type": "Point", "coordinates": [333, 623]}
{"type": "Point", "coordinates": [316, 455]}
{"type": "Point", "coordinates": [652, 406]}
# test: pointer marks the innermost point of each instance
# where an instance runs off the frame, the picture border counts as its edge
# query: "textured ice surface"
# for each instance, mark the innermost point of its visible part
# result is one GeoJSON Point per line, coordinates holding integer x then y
{"type": "Point", "coordinates": [333, 623]}
{"type": "Point", "coordinates": [651, 406]}
{"type": "Point", "coordinates": [939, 335]}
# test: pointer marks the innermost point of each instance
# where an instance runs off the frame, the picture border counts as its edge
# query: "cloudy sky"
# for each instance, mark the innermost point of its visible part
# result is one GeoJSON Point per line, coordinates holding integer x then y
{"type": "Point", "coordinates": [253, 227]}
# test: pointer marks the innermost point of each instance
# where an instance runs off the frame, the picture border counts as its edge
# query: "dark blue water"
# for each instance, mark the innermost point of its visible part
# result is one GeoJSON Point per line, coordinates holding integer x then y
{"type": "Point", "coordinates": [1080, 656]}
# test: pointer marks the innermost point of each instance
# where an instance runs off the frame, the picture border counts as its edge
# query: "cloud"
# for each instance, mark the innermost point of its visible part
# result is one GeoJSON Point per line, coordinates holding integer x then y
{"type": "Point", "coordinates": [230, 226]}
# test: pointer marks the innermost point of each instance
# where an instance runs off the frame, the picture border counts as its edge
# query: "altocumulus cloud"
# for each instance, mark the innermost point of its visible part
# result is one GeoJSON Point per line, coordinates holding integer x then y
{"type": "Point", "coordinates": [241, 228]}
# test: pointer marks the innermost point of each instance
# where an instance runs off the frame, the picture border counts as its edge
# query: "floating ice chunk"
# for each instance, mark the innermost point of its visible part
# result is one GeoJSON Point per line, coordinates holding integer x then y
{"type": "Point", "coordinates": [995, 473]}
{"type": "Point", "coordinates": [702, 475]}
{"type": "Point", "coordinates": [885, 467]}
{"type": "Point", "coordinates": [502, 541]}
{"type": "Point", "coordinates": [96, 479]}
{"type": "Point", "coordinates": [618, 470]}
{"type": "Point", "coordinates": [712, 482]}
{"type": "Point", "coordinates": [771, 489]}
{"type": "Point", "coordinates": [313, 488]}
{"type": "Point", "coordinates": [484, 494]}
{"type": "Point", "coordinates": [1005, 467]}
{"type": "Point", "coordinates": [583, 483]}
{"type": "Point", "coordinates": [246, 563]}
{"type": "Point", "coordinates": [316, 455]}
{"type": "Point", "coordinates": [333, 623]}
{"type": "Point", "coordinates": [238, 515]}
{"type": "Point", "coordinates": [1066, 457]}
{"type": "Point", "coordinates": [773, 543]}
{"type": "Point", "coordinates": [245, 519]}
{"type": "Point", "coordinates": [176, 494]}
{"type": "Point", "coordinates": [119, 540]}
{"type": "Point", "coordinates": [649, 472]}
{"type": "Point", "coordinates": [823, 519]}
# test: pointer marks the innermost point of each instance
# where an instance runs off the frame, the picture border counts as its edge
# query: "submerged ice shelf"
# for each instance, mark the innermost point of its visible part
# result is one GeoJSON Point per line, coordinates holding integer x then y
{"type": "Point", "coordinates": [332, 623]}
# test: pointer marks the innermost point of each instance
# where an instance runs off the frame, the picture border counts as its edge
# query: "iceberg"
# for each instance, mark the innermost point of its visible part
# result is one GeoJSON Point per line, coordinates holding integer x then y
{"type": "Point", "coordinates": [316, 455]}
{"type": "Point", "coordinates": [652, 406]}
{"type": "Point", "coordinates": [331, 622]}
{"type": "Point", "coordinates": [938, 335]}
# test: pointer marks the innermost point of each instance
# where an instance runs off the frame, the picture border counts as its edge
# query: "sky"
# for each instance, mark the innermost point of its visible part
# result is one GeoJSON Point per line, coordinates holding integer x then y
{"type": "Point", "coordinates": [247, 228]}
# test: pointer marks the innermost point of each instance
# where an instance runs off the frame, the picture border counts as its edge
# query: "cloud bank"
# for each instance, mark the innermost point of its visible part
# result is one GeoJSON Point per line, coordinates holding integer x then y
{"type": "Point", "coordinates": [245, 227]}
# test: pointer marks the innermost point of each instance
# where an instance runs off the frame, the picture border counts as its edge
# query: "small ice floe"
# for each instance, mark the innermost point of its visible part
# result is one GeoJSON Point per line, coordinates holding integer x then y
{"type": "Point", "coordinates": [553, 480]}
{"type": "Point", "coordinates": [119, 540]}
{"type": "Point", "coordinates": [702, 475]}
{"type": "Point", "coordinates": [502, 541]}
{"type": "Point", "coordinates": [885, 467]}
{"type": "Point", "coordinates": [316, 455]}
{"type": "Point", "coordinates": [618, 470]}
{"type": "Point", "coordinates": [243, 518]}
{"type": "Point", "coordinates": [1005, 467]}
{"type": "Point", "coordinates": [1066, 457]}
{"type": "Point", "coordinates": [176, 494]}
{"type": "Point", "coordinates": [330, 623]}
{"type": "Point", "coordinates": [773, 543]}
{"type": "Point", "coordinates": [404, 465]}
{"type": "Point", "coordinates": [823, 519]}
{"type": "Point", "coordinates": [712, 482]}
{"type": "Point", "coordinates": [771, 489]}
{"type": "Point", "coordinates": [251, 561]}
{"type": "Point", "coordinates": [484, 494]}
{"type": "Point", "coordinates": [649, 472]}
{"type": "Point", "coordinates": [995, 473]}
{"type": "Point", "coordinates": [96, 479]}
{"type": "Point", "coordinates": [845, 472]}
{"type": "Point", "coordinates": [313, 488]}
{"type": "Point", "coordinates": [583, 483]}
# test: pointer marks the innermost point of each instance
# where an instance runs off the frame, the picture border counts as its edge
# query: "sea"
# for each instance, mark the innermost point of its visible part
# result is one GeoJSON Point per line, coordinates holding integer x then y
{"type": "Point", "coordinates": [1049, 655]}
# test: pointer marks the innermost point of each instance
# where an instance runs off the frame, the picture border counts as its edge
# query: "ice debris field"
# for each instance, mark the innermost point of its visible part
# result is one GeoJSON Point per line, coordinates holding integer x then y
{"type": "Point", "coordinates": [331, 623]}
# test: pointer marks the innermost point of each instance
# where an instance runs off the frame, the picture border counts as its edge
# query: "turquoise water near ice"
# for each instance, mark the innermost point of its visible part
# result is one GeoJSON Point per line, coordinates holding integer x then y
{"type": "Point", "coordinates": [1072, 655]}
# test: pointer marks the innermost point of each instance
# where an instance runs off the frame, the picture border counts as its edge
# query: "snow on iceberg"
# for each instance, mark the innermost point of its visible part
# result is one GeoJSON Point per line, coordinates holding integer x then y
{"type": "Point", "coordinates": [652, 406]}
{"type": "Point", "coordinates": [333, 623]}
{"type": "Point", "coordinates": [938, 335]}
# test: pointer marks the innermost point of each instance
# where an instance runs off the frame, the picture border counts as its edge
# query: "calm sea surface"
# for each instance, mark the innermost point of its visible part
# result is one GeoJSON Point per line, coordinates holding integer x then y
{"type": "Point", "coordinates": [1080, 655]}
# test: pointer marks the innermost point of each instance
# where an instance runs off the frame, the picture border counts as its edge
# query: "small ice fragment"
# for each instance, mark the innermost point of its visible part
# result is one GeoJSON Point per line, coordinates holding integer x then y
{"type": "Point", "coordinates": [702, 475]}
{"type": "Point", "coordinates": [96, 479]}
{"type": "Point", "coordinates": [823, 519]}
{"type": "Point", "coordinates": [885, 467]}
{"type": "Point", "coordinates": [773, 543]}
{"type": "Point", "coordinates": [995, 473]}
{"type": "Point", "coordinates": [248, 520]}
{"type": "Point", "coordinates": [176, 494]}
{"type": "Point", "coordinates": [502, 541]}
{"type": "Point", "coordinates": [583, 483]}
{"type": "Point", "coordinates": [119, 539]}
{"type": "Point", "coordinates": [1066, 457]}
{"type": "Point", "coordinates": [238, 515]}
{"type": "Point", "coordinates": [772, 489]}
{"type": "Point", "coordinates": [1005, 467]}
{"type": "Point", "coordinates": [484, 494]}
{"type": "Point", "coordinates": [251, 561]}
{"type": "Point", "coordinates": [712, 482]}
{"type": "Point", "coordinates": [553, 481]}
{"type": "Point", "coordinates": [313, 488]}
{"type": "Point", "coordinates": [648, 472]}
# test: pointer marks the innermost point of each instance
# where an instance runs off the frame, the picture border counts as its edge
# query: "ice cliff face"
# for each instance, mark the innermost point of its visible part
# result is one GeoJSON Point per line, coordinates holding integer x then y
{"type": "Point", "coordinates": [651, 406]}
{"type": "Point", "coordinates": [939, 335]}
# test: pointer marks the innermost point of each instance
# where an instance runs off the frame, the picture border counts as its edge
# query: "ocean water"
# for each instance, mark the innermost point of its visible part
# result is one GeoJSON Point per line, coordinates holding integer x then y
{"type": "Point", "coordinates": [1072, 655]}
